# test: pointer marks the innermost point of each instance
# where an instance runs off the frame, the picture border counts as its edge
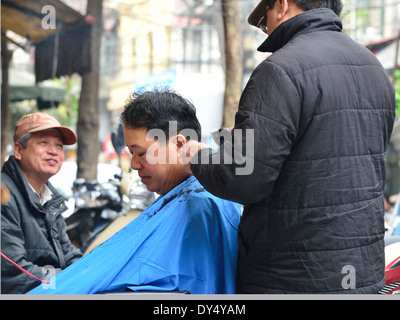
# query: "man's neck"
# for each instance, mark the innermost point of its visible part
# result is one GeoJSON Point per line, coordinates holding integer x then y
{"type": "Point", "coordinates": [44, 195]}
{"type": "Point", "coordinates": [37, 186]}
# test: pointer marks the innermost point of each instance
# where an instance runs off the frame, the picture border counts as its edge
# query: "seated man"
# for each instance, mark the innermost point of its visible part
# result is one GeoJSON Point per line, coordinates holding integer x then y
{"type": "Point", "coordinates": [186, 240]}
{"type": "Point", "coordinates": [33, 231]}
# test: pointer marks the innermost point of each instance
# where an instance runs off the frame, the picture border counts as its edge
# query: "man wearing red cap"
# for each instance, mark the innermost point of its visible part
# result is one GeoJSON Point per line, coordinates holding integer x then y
{"type": "Point", "coordinates": [321, 110]}
{"type": "Point", "coordinates": [33, 231]}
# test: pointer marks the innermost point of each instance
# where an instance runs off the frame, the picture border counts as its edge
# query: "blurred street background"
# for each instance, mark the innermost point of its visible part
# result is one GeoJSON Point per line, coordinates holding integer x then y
{"type": "Point", "coordinates": [79, 60]}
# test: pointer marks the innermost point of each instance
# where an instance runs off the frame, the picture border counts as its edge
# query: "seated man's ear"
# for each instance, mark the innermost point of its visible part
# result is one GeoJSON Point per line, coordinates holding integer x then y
{"type": "Point", "coordinates": [180, 141]}
{"type": "Point", "coordinates": [17, 150]}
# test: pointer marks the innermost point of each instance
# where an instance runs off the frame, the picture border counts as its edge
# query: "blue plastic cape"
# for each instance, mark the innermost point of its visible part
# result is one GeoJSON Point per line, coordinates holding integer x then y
{"type": "Point", "coordinates": [185, 240]}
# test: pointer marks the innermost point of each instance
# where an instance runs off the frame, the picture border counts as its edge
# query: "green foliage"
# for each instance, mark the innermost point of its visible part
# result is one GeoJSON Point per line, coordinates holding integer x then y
{"type": "Point", "coordinates": [397, 90]}
{"type": "Point", "coordinates": [66, 113]}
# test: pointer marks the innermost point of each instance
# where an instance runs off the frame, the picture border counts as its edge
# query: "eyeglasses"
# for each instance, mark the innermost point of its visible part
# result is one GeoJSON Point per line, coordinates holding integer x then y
{"type": "Point", "coordinates": [261, 25]}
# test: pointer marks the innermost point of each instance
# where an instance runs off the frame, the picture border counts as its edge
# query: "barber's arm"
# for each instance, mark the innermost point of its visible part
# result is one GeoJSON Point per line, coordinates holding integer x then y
{"type": "Point", "coordinates": [248, 163]}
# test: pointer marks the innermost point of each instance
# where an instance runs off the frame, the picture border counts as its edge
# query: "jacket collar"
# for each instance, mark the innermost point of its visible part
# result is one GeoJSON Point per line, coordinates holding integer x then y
{"type": "Point", "coordinates": [11, 168]}
{"type": "Point", "coordinates": [314, 20]}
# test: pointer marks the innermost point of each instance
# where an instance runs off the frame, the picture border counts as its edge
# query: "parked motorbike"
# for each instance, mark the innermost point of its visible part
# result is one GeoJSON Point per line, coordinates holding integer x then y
{"type": "Point", "coordinates": [96, 205]}
{"type": "Point", "coordinates": [393, 220]}
{"type": "Point", "coordinates": [392, 251]}
{"type": "Point", "coordinates": [392, 269]}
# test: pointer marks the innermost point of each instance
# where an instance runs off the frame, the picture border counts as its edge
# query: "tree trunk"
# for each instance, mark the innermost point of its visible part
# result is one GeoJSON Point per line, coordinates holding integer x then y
{"type": "Point", "coordinates": [88, 115]}
{"type": "Point", "coordinates": [5, 99]}
{"type": "Point", "coordinates": [234, 60]}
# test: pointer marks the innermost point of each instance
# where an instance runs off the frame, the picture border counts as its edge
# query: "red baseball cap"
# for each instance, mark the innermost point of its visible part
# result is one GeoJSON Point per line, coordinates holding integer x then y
{"type": "Point", "coordinates": [40, 121]}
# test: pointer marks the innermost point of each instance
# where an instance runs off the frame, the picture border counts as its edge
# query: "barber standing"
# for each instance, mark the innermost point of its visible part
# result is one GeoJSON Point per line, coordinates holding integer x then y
{"type": "Point", "coordinates": [321, 109]}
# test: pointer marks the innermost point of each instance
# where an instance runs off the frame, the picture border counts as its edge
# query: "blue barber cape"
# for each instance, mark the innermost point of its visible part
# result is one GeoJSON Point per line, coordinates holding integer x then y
{"type": "Point", "coordinates": [185, 240]}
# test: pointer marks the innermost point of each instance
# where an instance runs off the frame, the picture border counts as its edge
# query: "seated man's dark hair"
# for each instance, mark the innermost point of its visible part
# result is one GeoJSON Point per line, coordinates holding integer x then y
{"type": "Point", "coordinates": [157, 108]}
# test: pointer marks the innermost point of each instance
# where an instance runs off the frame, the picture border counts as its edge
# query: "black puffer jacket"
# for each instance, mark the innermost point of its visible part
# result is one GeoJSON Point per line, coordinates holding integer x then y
{"type": "Point", "coordinates": [32, 235]}
{"type": "Point", "coordinates": [322, 110]}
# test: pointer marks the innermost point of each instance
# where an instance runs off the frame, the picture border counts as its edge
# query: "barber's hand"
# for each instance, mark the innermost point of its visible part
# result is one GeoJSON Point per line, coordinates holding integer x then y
{"type": "Point", "coordinates": [187, 152]}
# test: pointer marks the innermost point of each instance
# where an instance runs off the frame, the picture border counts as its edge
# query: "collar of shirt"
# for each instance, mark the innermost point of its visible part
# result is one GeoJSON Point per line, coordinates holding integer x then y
{"type": "Point", "coordinates": [44, 195]}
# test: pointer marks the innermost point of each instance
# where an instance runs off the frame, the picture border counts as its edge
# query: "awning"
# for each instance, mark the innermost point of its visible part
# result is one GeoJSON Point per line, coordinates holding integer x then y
{"type": "Point", "coordinates": [25, 17]}
{"type": "Point", "coordinates": [61, 49]}
{"type": "Point", "coordinates": [23, 86]}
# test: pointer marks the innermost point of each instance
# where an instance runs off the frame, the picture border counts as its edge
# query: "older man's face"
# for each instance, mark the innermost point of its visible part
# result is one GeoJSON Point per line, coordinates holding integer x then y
{"type": "Point", "coordinates": [43, 156]}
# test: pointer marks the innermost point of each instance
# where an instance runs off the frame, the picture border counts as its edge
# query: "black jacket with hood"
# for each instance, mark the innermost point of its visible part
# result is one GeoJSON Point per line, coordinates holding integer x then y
{"type": "Point", "coordinates": [32, 235]}
{"type": "Point", "coordinates": [322, 109]}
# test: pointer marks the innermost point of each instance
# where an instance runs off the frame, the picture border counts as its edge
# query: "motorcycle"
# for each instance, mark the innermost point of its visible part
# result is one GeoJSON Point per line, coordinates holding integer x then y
{"type": "Point", "coordinates": [96, 205]}
{"type": "Point", "coordinates": [392, 220]}
{"type": "Point", "coordinates": [135, 198]}
{"type": "Point", "coordinates": [392, 269]}
{"type": "Point", "coordinates": [392, 251]}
